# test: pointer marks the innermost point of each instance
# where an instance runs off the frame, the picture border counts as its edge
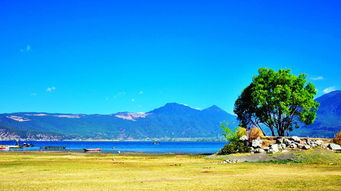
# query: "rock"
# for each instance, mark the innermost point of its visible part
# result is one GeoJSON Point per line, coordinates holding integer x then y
{"type": "Point", "coordinates": [279, 140]}
{"type": "Point", "coordinates": [243, 138]}
{"type": "Point", "coordinates": [287, 142]}
{"type": "Point", "coordinates": [325, 145]}
{"type": "Point", "coordinates": [296, 139]}
{"type": "Point", "coordinates": [319, 142]}
{"type": "Point", "coordinates": [283, 146]}
{"type": "Point", "coordinates": [306, 147]}
{"type": "Point", "coordinates": [274, 148]}
{"type": "Point", "coordinates": [230, 161]}
{"type": "Point", "coordinates": [293, 146]}
{"type": "Point", "coordinates": [266, 148]}
{"type": "Point", "coordinates": [334, 147]}
{"type": "Point", "coordinates": [300, 146]}
{"type": "Point", "coordinates": [259, 150]}
{"type": "Point", "coordinates": [314, 143]}
{"type": "Point", "coordinates": [256, 143]}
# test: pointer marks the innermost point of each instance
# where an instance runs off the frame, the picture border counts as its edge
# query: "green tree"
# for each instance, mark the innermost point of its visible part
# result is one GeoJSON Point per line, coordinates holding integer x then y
{"type": "Point", "coordinates": [279, 100]}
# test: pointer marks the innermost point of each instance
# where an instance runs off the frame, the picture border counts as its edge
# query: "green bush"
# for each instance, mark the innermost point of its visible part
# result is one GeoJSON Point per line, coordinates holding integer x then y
{"type": "Point", "coordinates": [232, 135]}
{"type": "Point", "coordinates": [234, 147]}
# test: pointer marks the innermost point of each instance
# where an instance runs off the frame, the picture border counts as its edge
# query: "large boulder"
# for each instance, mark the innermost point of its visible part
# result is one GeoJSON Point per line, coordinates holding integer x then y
{"type": "Point", "coordinates": [306, 147]}
{"type": "Point", "coordinates": [274, 148]}
{"type": "Point", "coordinates": [334, 147]}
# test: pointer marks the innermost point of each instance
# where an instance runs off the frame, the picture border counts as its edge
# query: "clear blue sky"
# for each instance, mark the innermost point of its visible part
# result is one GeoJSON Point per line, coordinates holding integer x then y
{"type": "Point", "coordinates": [79, 56]}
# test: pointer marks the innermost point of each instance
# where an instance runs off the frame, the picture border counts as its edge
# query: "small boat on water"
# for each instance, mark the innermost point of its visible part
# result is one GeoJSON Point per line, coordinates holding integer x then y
{"type": "Point", "coordinates": [155, 143]}
{"type": "Point", "coordinates": [4, 147]}
{"type": "Point", "coordinates": [8, 147]}
{"type": "Point", "coordinates": [26, 145]}
{"type": "Point", "coordinates": [93, 150]}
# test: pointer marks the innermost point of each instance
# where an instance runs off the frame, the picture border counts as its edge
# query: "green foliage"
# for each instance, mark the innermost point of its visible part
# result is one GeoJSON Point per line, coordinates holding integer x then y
{"type": "Point", "coordinates": [280, 100]}
{"type": "Point", "coordinates": [232, 135]}
{"type": "Point", "coordinates": [234, 147]}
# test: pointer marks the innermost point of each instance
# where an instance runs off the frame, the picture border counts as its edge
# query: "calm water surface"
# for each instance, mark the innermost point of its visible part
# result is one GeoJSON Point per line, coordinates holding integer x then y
{"type": "Point", "coordinates": [188, 147]}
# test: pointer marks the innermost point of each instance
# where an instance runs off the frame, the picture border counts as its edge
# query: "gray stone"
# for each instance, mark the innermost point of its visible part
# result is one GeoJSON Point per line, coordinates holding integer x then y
{"type": "Point", "coordinates": [314, 143]}
{"type": "Point", "coordinates": [295, 138]}
{"type": "Point", "coordinates": [306, 147]}
{"type": "Point", "coordinates": [274, 148]}
{"type": "Point", "coordinates": [256, 143]}
{"type": "Point", "coordinates": [325, 145]}
{"type": "Point", "coordinates": [319, 142]}
{"type": "Point", "coordinates": [283, 146]}
{"type": "Point", "coordinates": [259, 150]}
{"type": "Point", "coordinates": [287, 142]}
{"type": "Point", "coordinates": [293, 146]}
{"type": "Point", "coordinates": [334, 147]}
{"type": "Point", "coordinates": [300, 146]}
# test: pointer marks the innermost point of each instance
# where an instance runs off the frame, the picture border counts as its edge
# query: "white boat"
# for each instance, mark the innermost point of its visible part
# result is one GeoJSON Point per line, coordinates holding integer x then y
{"type": "Point", "coordinates": [4, 147]}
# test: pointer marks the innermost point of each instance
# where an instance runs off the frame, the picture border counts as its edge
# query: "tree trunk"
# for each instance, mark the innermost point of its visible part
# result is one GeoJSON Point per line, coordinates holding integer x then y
{"type": "Point", "coordinates": [272, 131]}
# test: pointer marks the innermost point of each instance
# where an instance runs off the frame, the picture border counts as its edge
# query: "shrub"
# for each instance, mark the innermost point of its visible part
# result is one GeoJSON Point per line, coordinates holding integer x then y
{"type": "Point", "coordinates": [337, 138]}
{"type": "Point", "coordinates": [235, 147]}
{"type": "Point", "coordinates": [231, 135]}
{"type": "Point", "coordinates": [254, 133]}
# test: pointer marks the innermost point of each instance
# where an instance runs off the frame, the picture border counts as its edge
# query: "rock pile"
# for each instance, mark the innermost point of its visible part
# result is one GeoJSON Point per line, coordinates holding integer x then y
{"type": "Point", "coordinates": [281, 144]}
{"type": "Point", "coordinates": [230, 161]}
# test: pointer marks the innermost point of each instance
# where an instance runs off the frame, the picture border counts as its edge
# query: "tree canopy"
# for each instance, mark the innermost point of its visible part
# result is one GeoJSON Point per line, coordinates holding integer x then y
{"type": "Point", "coordinates": [279, 100]}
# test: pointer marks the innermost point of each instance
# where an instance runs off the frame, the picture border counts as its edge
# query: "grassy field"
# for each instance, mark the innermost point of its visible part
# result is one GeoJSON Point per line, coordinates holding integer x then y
{"type": "Point", "coordinates": [80, 171]}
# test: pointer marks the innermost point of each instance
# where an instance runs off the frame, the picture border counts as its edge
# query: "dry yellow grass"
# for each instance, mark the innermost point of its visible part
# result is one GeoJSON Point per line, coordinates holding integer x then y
{"type": "Point", "coordinates": [79, 171]}
{"type": "Point", "coordinates": [337, 138]}
{"type": "Point", "coordinates": [254, 133]}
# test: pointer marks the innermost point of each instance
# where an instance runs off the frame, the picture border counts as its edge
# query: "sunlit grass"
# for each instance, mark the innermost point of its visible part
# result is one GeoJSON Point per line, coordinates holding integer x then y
{"type": "Point", "coordinates": [80, 171]}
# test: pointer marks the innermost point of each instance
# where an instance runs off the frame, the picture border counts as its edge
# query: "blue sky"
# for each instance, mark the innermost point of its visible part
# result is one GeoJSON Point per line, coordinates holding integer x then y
{"type": "Point", "coordinates": [109, 56]}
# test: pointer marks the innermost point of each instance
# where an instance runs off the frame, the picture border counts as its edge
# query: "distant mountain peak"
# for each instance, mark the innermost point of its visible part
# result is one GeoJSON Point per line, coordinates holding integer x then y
{"type": "Point", "coordinates": [173, 107]}
{"type": "Point", "coordinates": [213, 108]}
{"type": "Point", "coordinates": [173, 104]}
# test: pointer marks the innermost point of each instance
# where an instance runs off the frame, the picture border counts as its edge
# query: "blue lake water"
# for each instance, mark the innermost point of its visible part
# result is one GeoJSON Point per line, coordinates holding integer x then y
{"type": "Point", "coordinates": [188, 147]}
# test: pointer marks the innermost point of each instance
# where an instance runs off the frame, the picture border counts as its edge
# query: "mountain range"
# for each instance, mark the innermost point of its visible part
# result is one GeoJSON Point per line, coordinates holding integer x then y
{"type": "Point", "coordinates": [172, 121]}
